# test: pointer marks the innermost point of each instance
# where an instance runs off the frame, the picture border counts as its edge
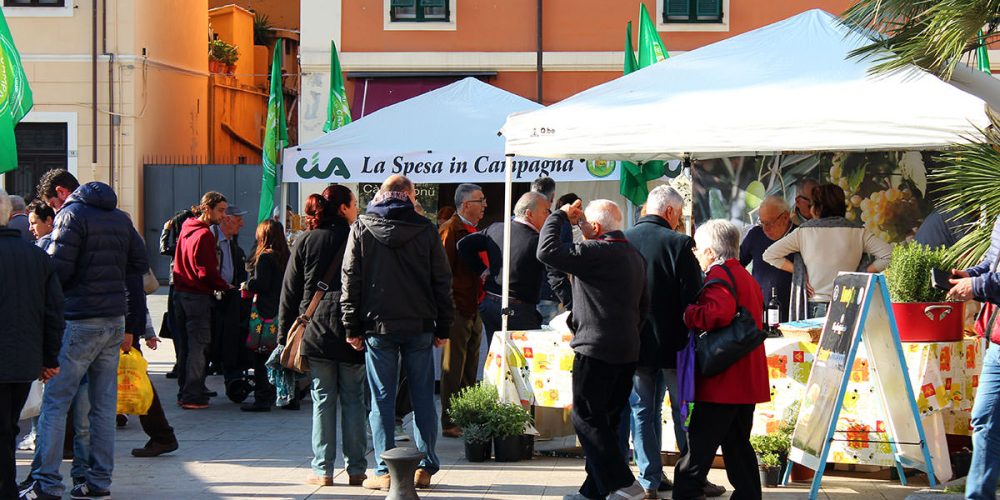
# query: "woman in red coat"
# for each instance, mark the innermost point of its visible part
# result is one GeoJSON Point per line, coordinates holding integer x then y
{"type": "Point", "coordinates": [724, 404]}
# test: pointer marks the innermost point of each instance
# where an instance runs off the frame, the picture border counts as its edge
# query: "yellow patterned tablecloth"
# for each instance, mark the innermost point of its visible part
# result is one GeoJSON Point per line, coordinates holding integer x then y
{"type": "Point", "coordinates": [944, 377]}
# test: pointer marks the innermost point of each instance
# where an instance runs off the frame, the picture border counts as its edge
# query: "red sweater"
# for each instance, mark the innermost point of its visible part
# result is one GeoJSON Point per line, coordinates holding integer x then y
{"type": "Point", "coordinates": [746, 381]}
{"type": "Point", "coordinates": [196, 264]}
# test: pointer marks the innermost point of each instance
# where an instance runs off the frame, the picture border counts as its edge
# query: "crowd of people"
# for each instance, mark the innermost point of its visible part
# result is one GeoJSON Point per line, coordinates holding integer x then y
{"type": "Point", "coordinates": [396, 286]}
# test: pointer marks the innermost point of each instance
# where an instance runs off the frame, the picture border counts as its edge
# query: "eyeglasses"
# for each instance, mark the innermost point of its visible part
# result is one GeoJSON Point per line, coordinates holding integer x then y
{"type": "Point", "coordinates": [481, 200]}
{"type": "Point", "coordinates": [774, 221]}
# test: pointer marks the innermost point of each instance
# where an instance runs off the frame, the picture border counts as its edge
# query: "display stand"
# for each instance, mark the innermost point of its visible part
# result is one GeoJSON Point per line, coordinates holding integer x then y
{"type": "Point", "coordinates": [860, 309]}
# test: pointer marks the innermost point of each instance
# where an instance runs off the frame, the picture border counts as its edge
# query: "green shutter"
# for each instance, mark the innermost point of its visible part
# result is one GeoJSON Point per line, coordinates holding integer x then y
{"type": "Point", "coordinates": [432, 3]}
{"type": "Point", "coordinates": [404, 3]}
{"type": "Point", "coordinates": [709, 9]}
{"type": "Point", "coordinates": [677, 9]}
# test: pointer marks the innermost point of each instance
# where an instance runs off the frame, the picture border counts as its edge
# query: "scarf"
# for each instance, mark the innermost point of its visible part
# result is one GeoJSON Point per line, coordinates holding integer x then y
{"type": "Point", "coordinates": [798, 303]}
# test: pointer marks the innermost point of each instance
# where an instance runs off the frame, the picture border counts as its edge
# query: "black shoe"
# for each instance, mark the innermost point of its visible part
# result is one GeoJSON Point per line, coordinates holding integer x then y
{"type": "Point", "coordinates": [294, 405]}
{"type": "Point", "coordinates": [665, 484]}
{"type": "Point", "coordinates": [85, 492]}
{"type": "Point", "coordinates": [79, 480]}
{"type": "Point", "coordinates": [172, 373]}
{"type": "Point", "coordinates": [238, 390]}
{"type": "Point", "coordinates": [211, 394]}
{"type": "Point", "coordinates": [121, 420]}
{"type": "Point", "coordinates": [34, 492]}
{"type": "Point", "coordinates": [254, 407]}
{"type": "Point", "coordinates": [154, 449]}
{"type": "Point", "coordinates": [714, 490]}
{"type": "Point", "coordinates": [23, 485]}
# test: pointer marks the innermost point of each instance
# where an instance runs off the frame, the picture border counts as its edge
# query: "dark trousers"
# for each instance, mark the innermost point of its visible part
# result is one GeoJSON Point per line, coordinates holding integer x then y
{"type": "Point", "coordinates": [600, 394]}
{"type": "Point", "coordinates": [230, 324]}
{"type": "Point", "coordinates": [154, 422]}
{"type": "Point", "coordinates": [525, 317]}
{"type": "Point", "coordinates": [264, 393]}
{"type": "Point", "coordinates": [459, 361]}
{"type": "Point", "coordinates": [713, 425]}
{"type": "Point", "coordinates": [12, 398]}
{"type": "Point", "coordinates": [194, 317]}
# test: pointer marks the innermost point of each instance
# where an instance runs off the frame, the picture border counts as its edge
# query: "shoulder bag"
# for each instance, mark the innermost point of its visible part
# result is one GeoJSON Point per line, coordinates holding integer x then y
{"type": "Point", "coordinates": [718, 349]}
{"type": "Point", "coordinates": [292, 357]}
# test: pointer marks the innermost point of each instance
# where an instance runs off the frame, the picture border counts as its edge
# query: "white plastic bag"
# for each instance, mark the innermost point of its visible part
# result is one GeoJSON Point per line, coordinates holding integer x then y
{"type": "Point", "coordinates": [33, 406]}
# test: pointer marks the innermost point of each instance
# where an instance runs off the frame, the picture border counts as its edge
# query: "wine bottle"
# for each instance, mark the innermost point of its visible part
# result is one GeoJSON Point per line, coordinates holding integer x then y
{"type": "Point", "coordinates": [773, 314]}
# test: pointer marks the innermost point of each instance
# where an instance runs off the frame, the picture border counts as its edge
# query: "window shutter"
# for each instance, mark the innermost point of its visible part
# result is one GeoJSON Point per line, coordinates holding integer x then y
{"type": "Point", "coordinates": [676, 9]}
{"type": "Point", "coordinates": [432, 3]}
{"type": "Point", "coordinates": [709, 9]}
{"type": "Point", "coordinates": [404, 3]}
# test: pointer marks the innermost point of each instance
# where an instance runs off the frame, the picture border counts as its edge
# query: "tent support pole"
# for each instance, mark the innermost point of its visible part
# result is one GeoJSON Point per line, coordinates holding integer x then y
{"type": "Point", "coordinates": [508, 193]}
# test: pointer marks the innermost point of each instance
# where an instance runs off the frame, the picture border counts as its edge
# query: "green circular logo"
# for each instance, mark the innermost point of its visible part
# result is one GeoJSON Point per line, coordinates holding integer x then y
{"type": "Point", "coordinates": [601, 168]}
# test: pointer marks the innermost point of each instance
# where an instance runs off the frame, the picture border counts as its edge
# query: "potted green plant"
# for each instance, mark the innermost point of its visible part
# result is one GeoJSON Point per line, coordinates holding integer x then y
{"type": "Point", "coordinates": [773, 447]}
{"type": "Point", "coordinates": [770, 469]}
{"type": "Point", "coordinates": [472, 409]}
{"type": "Point", "coordinates": [507, 424]}
{"type": "Point", "coordinates": [922, 315]}
{"type": "Point", "coordinates": [222, 56]}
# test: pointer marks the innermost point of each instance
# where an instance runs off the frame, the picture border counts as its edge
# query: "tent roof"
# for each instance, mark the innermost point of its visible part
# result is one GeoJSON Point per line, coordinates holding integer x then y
{"type": "Point", "coordinates": [789, 86]}
{"type": "Point", "coordinates": [459, 119]}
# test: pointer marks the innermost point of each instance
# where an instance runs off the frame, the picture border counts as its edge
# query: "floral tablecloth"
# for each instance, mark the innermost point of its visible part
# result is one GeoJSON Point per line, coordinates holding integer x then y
{"type": "Point", "coordinates": [944, 375]}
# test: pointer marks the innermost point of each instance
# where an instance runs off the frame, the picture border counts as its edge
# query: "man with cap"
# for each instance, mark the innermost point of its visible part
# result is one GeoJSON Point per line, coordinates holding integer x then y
{"type": "Point", "coordinates": [229, 323]}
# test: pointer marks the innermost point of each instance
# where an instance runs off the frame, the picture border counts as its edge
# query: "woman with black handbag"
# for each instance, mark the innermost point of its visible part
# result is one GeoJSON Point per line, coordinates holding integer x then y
{"type": "Point", "coordinates": [724, 403]}
{"type": "Point", "coordinates": [267, 269]}
{"type": "Point", "coordinates": [337, 370]}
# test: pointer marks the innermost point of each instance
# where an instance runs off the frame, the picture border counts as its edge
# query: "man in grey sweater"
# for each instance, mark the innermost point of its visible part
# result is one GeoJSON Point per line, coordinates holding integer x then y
{"type": "Point", "coordinates": [609, 305]}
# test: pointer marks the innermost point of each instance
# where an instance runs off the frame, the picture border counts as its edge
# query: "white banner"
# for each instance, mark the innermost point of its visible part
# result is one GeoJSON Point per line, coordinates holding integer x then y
{"type": "Point", "coordinates": [435, 167]}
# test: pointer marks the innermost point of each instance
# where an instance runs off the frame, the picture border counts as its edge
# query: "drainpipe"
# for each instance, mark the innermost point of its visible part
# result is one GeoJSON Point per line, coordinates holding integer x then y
{"type": "Point", "coordinates": [111, 97]}
{"type": "Point", "coordinates": [538, 52]}
{"type": "Point", "coordinates": [93, 86]}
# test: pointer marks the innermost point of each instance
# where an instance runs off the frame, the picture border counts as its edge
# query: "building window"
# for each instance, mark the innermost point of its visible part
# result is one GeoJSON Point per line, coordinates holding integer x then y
{"type": "Point", "coordinates": [692, 11]}
{"type": "Point", "coordinates": [34, 3]}
{"type": "Point", "coordinates": [419, 11]}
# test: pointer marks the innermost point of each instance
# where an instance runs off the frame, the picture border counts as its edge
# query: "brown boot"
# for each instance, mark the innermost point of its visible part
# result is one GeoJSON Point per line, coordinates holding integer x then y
{"type": "Point", "coordinates": [357, 480]}
{"type": "Point", "coordinates": [422, 478]}
{"type": "Point", "coordinates": [377, 483]}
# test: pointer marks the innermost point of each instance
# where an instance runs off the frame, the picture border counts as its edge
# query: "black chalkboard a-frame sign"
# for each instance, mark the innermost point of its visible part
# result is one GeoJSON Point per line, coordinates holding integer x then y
{"type": "Point", "coordinates": [860, 310]}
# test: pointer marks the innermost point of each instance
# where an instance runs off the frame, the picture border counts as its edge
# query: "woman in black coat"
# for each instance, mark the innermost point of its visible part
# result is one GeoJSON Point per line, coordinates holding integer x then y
{"type": "Point", "coordinates": [267, 267]}
{"type": "Point", "coordinates": [337, 370]}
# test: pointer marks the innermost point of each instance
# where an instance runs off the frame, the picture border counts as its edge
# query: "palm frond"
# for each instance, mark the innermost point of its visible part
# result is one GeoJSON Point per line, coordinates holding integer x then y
{"type": "Point", "coordinates": [969, 189]}
{"type": "Point", "coordinates": [931, 34]}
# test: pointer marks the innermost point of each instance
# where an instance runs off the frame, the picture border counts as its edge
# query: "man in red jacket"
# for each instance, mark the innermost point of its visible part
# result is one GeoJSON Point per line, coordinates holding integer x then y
{"type": "Point", "coordinates": [196, 279]}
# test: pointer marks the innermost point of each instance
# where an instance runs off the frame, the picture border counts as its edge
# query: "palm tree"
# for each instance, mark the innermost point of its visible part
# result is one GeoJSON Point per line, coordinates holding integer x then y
{"type": "Point", "coordinates": [938, 36]}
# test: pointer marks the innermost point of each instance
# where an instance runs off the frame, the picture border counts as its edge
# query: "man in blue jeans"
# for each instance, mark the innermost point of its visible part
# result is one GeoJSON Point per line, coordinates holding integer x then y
{"type": "Point", "coordinates": [396, 301]}
{"type": "Point", "coordinates": [100, 260]}
{"type": "Point", "coordinates": [982, 283]}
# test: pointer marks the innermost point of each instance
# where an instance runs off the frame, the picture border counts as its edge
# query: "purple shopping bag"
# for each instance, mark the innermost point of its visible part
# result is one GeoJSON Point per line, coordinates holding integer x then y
{"type": "Point", "coordinates": [685, 379]}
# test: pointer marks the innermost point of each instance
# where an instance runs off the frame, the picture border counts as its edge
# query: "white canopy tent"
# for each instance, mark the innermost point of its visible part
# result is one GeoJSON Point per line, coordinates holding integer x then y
{"type": "Point", "coordinates": [786, 87]}
{"type": "Point", "coordinates": [445, 135]}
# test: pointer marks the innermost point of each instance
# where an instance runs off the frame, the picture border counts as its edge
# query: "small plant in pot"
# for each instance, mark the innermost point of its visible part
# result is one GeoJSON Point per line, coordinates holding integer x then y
{"type": "Point", "coordinates": [222, 56]}
{"type": "Point", "coordinates": [772, 450]}
{"type": "Point", "coordinates": [472, 409]}
{"type": "Point", "coordinates": [921, 312]}
{"type": "Point", "coordinates": [508, 423]}
{"type": "Point", "coordinates": [770, 469]}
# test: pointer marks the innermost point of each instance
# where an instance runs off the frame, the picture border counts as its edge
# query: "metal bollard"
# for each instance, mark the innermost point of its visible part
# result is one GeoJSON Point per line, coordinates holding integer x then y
{"type": "Point", "coordinates": [402, 463]}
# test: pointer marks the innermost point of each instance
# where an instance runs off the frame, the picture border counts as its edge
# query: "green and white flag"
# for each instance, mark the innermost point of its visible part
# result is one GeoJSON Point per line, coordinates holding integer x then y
{"type": "Point", "coordinates": [15, 97]}
{"type": "Point", "coordinates": [651, 48]}
{"type": "Point", "coordinates": [338, 112]}
{"type": "Point", "coordinates": [983, 55]}
{"type": "Point", "coordinates": [275, 137]}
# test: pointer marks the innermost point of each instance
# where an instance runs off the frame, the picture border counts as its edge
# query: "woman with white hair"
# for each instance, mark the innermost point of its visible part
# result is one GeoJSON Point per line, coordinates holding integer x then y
{"type": "Point", "coordinates": [724, 403]}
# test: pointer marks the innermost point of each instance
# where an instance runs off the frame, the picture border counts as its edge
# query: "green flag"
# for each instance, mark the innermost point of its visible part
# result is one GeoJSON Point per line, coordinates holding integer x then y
{"type": "Point", "coordinates": [275, 138]}
{"type": "Point", "coordinates": [15, 97]}
{"type": "Point", "coordinates": [983, 56]}
{"type": "Point", "coordinates": [633, 177]}
{"type": "Point", "coordinates": [651, 49]}
{"type": "Point", "coordinates": [338, 113]}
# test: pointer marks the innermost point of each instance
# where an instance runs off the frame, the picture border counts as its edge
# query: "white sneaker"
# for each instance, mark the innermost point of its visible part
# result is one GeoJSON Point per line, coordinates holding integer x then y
{"type": "Point", "coordinates": [633, 491]}
{"type": "Point", "coordinates": [28, 443]}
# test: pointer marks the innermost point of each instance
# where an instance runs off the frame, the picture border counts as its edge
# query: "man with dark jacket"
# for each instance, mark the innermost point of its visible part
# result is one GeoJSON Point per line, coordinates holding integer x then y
{"type": "Point", "coordinates": [196, 280]}
{"type": "Point", "coordinates": [673, 278]}
{"type": "Point", "coordinates": [31, 335]}
{"type": "Point", "coordinates": [100, 260]}
{"type": "Point", "coordinates": [526, 272]}
{"type": "Point", "coordinates": [230, 316]}
{"type": "Point", "coordinates": [396, 300]}
{"type": "Point", "coordinates": [460, 357]}
{"type": "Point", "coordinates": [609, 305]}
{"type": "Point", "coordinates": [168, 246]}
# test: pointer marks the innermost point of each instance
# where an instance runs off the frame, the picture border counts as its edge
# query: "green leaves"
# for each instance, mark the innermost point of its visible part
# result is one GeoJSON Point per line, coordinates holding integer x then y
{"type": "Point", "coordinates": [509, 419]}
{"type": "Point", "coordinates": [909, 273]}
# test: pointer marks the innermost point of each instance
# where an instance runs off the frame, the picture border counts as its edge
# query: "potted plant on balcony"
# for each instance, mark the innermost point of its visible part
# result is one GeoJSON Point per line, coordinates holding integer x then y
{"type": "Point", "coordinates": [471, 409]}
{"type": "Point", "coordinates": [222, 56]}
{"type": "Point", "coordinates": [922, 315]}
{"type": "Point", "coordinates": [508, 424]}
